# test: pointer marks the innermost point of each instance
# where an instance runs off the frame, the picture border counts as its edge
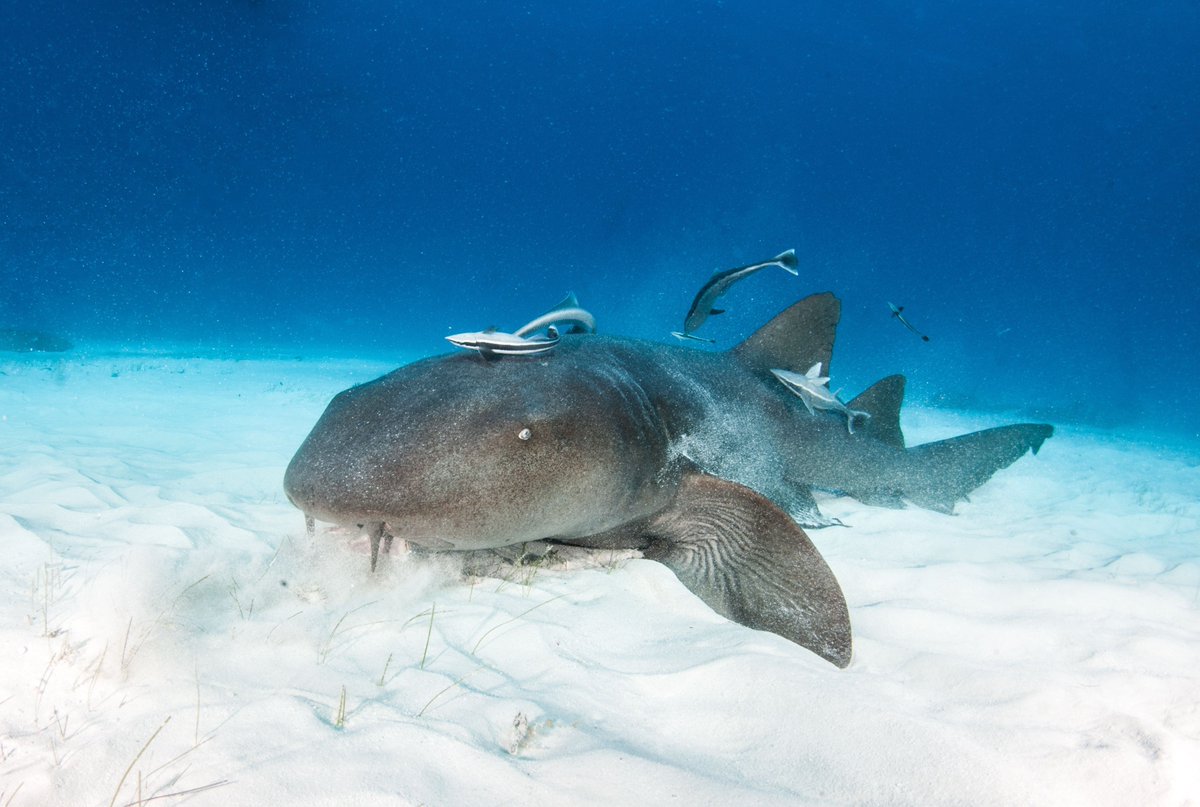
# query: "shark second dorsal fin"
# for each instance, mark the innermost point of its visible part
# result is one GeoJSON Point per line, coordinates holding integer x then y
{"type": "Point", "coordinates": [882, 402]}
{"type": "Point", "coordinates": [796, 339]}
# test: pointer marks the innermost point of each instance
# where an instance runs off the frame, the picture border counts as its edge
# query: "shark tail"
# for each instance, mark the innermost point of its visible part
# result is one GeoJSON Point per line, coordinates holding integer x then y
{"type": "Point", "coordinates": [943, 473]}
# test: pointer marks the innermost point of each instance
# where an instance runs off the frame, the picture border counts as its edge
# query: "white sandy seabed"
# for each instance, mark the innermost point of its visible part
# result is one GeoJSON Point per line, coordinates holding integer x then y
{"type": "Point", "coordinates": [169, 634]}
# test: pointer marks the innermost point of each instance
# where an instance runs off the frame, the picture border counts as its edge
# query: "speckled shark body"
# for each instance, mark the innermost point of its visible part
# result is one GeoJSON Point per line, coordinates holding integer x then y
{"type": "Point", "coordinates": [701, 460]}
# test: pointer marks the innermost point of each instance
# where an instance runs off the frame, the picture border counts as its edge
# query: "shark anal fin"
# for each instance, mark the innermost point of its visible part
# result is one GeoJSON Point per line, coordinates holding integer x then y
{"type": "Point", "coordinates": [749, 562]}
{"type": "Point", "coordinates": [716, 311]}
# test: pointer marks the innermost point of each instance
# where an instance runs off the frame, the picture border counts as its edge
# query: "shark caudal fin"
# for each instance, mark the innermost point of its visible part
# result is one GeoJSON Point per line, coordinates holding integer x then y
{"type": "Point", "coordinates": [943, 473]}
{"type": "Point", "coordinates": [749, 562]}
{"type": "Point", "coordinates": [797, 338]}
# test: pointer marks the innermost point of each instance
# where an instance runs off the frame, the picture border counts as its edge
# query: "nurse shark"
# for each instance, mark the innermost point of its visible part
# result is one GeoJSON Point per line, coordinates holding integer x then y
{"type": "Point", "coordinates": [701, 460]}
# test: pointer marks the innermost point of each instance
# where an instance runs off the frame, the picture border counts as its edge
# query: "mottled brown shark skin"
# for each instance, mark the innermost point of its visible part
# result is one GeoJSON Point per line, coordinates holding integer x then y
{"type": "Point", "coordinates": [700, 459]}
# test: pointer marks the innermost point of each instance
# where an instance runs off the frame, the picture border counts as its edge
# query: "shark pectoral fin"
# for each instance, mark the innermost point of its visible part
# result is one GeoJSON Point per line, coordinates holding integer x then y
{"type": "Point", "coordinates": [716, 311]}
{"type": "Point", "coordinates": [749, 562]}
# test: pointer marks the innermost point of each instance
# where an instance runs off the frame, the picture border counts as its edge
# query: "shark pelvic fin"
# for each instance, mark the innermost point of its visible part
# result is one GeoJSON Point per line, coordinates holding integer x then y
{"type": "Point", "coordinates": [796, 339]}
{"type": "Point", "coordinates": [881, 401]}
{"type": "Point", "coordinates": [749, 562]}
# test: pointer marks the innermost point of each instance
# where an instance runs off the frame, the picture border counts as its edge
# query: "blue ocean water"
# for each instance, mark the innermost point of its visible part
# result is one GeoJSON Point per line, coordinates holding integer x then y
{"type": "Point", "coordinates": [367, 177]}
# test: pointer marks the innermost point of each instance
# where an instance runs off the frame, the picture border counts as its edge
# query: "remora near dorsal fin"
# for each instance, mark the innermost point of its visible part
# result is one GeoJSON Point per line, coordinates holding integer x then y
{"type": "Point", "coordinates": [798, 337]}
{"type": "Point", "coordinates": [882, 402]}
{"type": "Point", "coordinates": [750, 562]}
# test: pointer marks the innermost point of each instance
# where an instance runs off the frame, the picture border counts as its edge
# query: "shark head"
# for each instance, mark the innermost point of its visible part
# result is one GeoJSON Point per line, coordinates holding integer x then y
{"type": "Point", "coordinates": [455, 452]}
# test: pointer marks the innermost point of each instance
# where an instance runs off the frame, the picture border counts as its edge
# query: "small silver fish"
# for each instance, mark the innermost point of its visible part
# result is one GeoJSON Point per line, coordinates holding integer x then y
{"type": "Point", "coordinates": [568, 310]}
{"type": "Point", "coordinates": [492, 342]}
{"type": "Point", "coordinates": [499, 343]}
{"type": "Point", "coordinates": [718, 284]}
{"type": "Point", "coordinates": [896, 309]}
{"type": "Point", "coordinates": [814, 392]}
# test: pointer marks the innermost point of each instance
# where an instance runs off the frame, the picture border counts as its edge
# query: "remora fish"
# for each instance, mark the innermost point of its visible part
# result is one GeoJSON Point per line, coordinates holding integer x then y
{"type": "Point", "coordinates": [718, 284]}
{"type": "Point", "coordinates": [494, 342]}
{"type": "Point", "coordinates": [568, 310]}
{"type": "Point", "coordinates": [896, 309]}
{"type": "Point", "coordinates": [695, 458]}
{"type": "Point", "coordinates": [812, 389]}
{"type": "Point", "coordinates": [502, 344]}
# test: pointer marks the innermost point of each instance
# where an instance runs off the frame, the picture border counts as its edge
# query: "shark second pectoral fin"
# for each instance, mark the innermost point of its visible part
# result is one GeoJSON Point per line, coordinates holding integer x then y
{"type": "Point", "coordinates": [749, 562]}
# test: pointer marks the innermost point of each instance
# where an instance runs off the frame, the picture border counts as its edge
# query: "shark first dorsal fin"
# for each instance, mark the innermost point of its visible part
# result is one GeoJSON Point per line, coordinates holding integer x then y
{"type": "Point", "coordinates": [749, 561]}
{"type": "Point", "coordinates": [798, 337]}
{"type": "Point", "coordinates": [881, 401]}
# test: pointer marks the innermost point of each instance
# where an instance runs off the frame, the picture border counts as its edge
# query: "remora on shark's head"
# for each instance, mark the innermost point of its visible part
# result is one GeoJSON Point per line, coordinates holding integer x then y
{"type": "Point", "coordinates": [701, 460]}
{"type": "Point", "coordinates": [492, 342]}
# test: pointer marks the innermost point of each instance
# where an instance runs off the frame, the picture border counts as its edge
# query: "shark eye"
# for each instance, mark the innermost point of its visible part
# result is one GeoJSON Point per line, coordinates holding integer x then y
{"type": "Point", "coordinates": [524, 434]}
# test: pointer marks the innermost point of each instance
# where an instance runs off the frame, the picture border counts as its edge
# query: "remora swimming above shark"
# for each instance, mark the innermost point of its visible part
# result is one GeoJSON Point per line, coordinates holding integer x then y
{"type": "Point", "coordinates": [702, 460]}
